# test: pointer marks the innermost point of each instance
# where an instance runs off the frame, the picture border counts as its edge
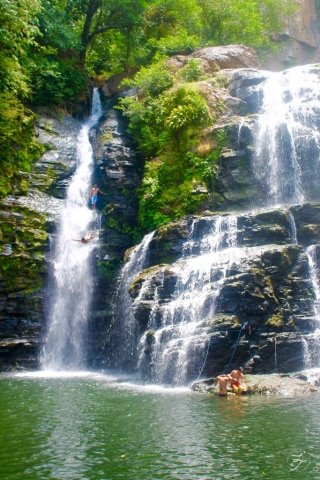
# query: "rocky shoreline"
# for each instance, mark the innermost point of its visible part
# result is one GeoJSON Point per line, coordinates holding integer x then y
{"type": "Point", "coordinates": [270, 384]}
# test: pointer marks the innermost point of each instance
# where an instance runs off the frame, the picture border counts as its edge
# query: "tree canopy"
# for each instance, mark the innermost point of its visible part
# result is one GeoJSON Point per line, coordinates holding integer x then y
{"type": "Point", "coordinates": [50, 47]}
{"type": "Point", "coordinates": [41, 39]}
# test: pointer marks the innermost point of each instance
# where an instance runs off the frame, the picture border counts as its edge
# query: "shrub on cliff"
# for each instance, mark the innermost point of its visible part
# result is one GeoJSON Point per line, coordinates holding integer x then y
{"type": "Point", "coordinates": [168, 127]}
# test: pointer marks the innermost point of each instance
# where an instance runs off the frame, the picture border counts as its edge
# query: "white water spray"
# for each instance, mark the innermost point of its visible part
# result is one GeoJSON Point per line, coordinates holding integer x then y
{"type": "Point", "coordinates": [293, 229]}
{"type": "Point", "coordinates": [287, 132]}
{"type": "Point", "coordinates": [209, 251]}
{"type": "Point", "coordinates": [311, 342]}
{"type": "Point", "coordinates": [127, 329]}
{"type": "Point", "coordinates": [65, 341]}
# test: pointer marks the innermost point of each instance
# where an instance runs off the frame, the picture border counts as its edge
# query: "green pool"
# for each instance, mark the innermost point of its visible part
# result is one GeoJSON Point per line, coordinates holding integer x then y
{"type": "Point", "coordinates": [90, 426]}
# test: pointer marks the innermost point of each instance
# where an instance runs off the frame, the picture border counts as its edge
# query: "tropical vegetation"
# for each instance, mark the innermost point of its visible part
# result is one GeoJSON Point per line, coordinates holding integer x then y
{"type": "Point", "coordinates": [51, 48]}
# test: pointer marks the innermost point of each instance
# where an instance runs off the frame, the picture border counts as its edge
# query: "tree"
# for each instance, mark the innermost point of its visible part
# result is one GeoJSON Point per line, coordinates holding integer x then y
{"type": "Point", "coordinates": [250, 22]}
{"type": "Point", "coordinates": [17, 32]}
{"type": "Point", "coordinates": [99, 16]}
{"type": "Point", "coordinates": [17, 35]}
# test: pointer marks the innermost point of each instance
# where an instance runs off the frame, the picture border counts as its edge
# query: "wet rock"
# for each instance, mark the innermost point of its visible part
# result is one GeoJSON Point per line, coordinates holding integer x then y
{"type": "Point", "coordinates": [246, 85]}
{"type": "Point", "coordinates": [116, 173]}
{"type": "Point", "coordinates": [166, 245]}
{"type": "Point", "coordinates": [52, 171]}
{"type": "Point", "coordinates": [307, 221]}
{"type": "Point", "coordinates": [274, 384]}
{"type": "Point", "coordinates": [263, 301]}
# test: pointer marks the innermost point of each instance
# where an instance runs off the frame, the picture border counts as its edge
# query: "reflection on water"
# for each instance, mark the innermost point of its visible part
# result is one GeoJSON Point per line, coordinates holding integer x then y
{"type": "Point", "coordinates": [92, 427]}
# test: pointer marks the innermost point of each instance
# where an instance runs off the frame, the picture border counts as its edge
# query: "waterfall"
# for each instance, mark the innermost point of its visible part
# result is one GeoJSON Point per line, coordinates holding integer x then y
{"type": "Point", "coordinates": [163, 333]}
{"type": "Point", "coordinates": [287, 132]}
{"type": "Point", "coordinates": [125, 328]}
{"type": "Point", "coordinates": [311, 342]}
{"type": "Point", "coordinates": [287, 135]}
{"type": "Point", "coordinates": [293, 229]}
{"type": "Point", "coordinates": [209, 251]}
{"type": "Point", "coordinates": [314, 275]}
{"type": "Point", "coordinates": [65, 340]}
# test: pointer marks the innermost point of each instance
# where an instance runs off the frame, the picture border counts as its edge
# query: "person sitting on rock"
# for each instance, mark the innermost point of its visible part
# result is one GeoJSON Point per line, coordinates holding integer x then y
{"type": "Point", "coordinates": [223, 382]}
{"type": "Point", "coordinates": [237, 383]}
{"type": "Point", "coordinates": [85, 239]}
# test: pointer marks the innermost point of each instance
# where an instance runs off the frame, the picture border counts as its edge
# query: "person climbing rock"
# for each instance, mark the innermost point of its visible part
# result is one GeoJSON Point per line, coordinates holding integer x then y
{"type": "Point", "coordinates": [94, 196]}
{"type": "Point", "coordinates": [85, 239]}
{"type": "Point", "coordinates": [237, 383]}
{"type": "Point", "coordinates": [223, 382]}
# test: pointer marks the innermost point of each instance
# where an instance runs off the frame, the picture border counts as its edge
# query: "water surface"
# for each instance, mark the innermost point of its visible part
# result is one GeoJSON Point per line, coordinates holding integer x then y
{"type": "Point", "coordinates": [89, 426]}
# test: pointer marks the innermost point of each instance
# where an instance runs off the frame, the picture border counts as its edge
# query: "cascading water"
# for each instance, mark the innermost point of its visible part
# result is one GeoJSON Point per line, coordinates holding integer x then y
{"type": "Point", "coordinates": [311, 343]}
{"type": "Point", "coordinates": [65, 340]}
{"type": "Point", "coordinates": [293, 228]}
{"type": "Point", "coordinates": [287, 132]}
{"type": "Point", "coordinates": [172, 330]}
{"type": "Point", "coordinates": [124, 349]}
{"type": "Point", "coordinates": [207, 254]}
{"type": "Point", "coordinates": [287, 135]}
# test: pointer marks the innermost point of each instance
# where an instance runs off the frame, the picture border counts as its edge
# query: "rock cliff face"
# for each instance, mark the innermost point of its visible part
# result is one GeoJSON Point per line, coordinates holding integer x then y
{"type": "Point", "coordinates": [116, 171]}
{"type": "Point", "coordinates": [116, 167]}
{"type": "Point", "coordinates": [299, 43]}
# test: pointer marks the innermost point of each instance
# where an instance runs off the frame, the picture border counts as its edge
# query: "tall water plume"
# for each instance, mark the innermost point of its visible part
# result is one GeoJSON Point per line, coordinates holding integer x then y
{"type": "Point", "coordinates": [65, 340]}
{"type": "Point", "coordinates": [287, 134]}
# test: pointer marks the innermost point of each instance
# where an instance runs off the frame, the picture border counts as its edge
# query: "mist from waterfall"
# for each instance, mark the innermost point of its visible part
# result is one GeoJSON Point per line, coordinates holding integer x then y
{"type": "Point", "coordinates": [287, 132]}
{"type": "Point", "coordinates": [64, 345]}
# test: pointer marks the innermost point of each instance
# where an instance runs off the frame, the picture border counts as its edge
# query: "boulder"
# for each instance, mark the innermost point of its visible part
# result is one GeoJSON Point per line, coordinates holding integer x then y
{"type": "Point", "coordinates": [214, 59]}
{"type": "Point", "coordinates": [245, 84]}
{"type": "Point", "coordinates": [113, 85]}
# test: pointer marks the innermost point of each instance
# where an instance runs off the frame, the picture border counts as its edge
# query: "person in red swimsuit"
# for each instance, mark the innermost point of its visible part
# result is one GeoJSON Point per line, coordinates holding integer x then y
{"type": "Point", "coordinates": [237, 383]}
